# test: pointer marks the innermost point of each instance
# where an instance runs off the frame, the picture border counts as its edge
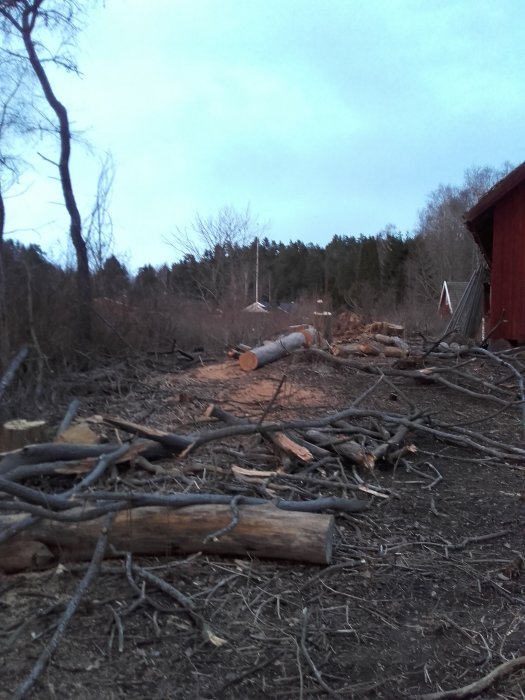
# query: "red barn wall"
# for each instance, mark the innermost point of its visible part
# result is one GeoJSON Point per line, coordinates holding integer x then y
{"type": "Point", "coordinates": [508, 266]}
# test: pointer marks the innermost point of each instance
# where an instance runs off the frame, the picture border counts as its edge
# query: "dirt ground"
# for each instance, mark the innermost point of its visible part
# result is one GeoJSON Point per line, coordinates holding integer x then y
{"type": "Point", "coordinates": [426, 590]}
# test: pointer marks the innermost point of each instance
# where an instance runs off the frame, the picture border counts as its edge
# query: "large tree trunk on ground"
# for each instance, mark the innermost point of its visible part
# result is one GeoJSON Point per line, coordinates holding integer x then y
{"type": "Point", "coordinates": [270, 352]}
{"type": "Point", "coordinates": [262, 531]}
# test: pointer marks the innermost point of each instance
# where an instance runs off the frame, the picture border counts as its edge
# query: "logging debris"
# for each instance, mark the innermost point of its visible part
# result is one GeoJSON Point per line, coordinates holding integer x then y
{"type": "Point", "coordinates": [424, 588]}
{"type": "Point", "coordinates": [351, 338]}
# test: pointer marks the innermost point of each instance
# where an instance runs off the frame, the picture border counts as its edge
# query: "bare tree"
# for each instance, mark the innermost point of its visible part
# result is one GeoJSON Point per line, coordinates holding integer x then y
{"type": "Point", "coordinates": [219, 246]}
{"type": "Point", "coordinates": [98, 226]}
{"type": "Point", "coordinates": [445, 248]}
{"type": "Point", "coordinates": [26, 18]}
{"type": "Point", "coordinates": [13, 123]}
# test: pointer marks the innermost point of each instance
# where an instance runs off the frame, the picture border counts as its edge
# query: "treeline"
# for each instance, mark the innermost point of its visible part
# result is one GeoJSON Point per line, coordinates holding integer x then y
{"type": "Point", "coordinates": [200, 296]}
{"type": "Point", "coordinates": [195, 302]}
{"type": "Point", "coordinates": [348, 272]}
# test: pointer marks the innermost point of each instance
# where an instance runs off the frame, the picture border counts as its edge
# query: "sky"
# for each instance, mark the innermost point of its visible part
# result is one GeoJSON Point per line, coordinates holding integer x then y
{"type": "Point", "coordinates": [323, 117]}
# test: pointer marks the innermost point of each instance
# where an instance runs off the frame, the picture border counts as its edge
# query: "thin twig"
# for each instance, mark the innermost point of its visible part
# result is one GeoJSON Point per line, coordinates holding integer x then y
{"type": "Point", "coordinates": [186, 603]}
{"type": "Point", "coordinates": [515, 372]}
{"type": "Point", "coordinates": [477, 687]}
{"type": "Point", "coordinates": [309, 659]}
{"type": "Point", "coordinates": [272, 400]}
{"type": "Point", "coordinates": [215, 536]}
{"type": "Point", "coordinates": [85, 583]}
{"type": "Point", "coordinates": [331, 569]}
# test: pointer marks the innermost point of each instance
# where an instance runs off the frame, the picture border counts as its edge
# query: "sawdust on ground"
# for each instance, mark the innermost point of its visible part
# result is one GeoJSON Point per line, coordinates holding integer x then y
{"type": "Point", "coordinates": [256, 389]}
{"type": "Point", "coordinates": [261, 391]}
{"type": "Point", "coordinates": [219, 372]}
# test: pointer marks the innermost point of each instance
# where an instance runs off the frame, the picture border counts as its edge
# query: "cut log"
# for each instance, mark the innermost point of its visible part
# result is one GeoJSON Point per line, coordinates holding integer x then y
{"type": "Point", "coordinates": [390, 340]}
{"type": "Point", "coordinates": [16, 556]}
{"type": "Point", "coordinates": [262, 531]}
{"type": "Point", "coordinates": [356, 349]}
{"type": "Point", "coordinates": [263, 355]}
{"type": "Point", "coordinates": [238, 350]}
{"type": "Point", "coordinates": [292, 448]}
{"type": "Point", "coordinates": [390, 351]}
{"type": "Point", "coordinates": [385, 327]}
{"type": "Point", "coordinates": [18, 433]}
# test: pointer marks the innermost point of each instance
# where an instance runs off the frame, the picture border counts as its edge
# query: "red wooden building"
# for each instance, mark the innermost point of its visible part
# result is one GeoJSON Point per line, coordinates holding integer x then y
{"type": "Point", "coordinates": [497, 223]}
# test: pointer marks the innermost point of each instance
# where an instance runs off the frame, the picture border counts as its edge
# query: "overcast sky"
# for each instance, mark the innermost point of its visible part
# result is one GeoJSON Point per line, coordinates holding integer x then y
{"type": "Point", "coordinates": [324, 116]}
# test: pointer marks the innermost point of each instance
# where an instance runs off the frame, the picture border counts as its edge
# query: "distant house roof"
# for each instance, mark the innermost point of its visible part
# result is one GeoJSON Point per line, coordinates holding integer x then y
{"type": "Point", "coordinates": [256, 308]}
{"type": "Point", "coordinates": [451, 294]}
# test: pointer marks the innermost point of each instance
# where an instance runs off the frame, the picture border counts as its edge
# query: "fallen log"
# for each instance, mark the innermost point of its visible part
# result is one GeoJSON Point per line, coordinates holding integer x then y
{"type": "Point", "coordinates": [16, 556]}
{"type": "Point", "coordinates": [355, 349]}
{"type": "Point", "coordinates": [277, 349]}
{"type": "Point", "coordinates": [392, 351]}
{"type": "Point", "coordinates": [391, 340]}
{"type": "Point", "coordinates": [385, 328]}
{"type": "Point", "coordinates": [261, 531]}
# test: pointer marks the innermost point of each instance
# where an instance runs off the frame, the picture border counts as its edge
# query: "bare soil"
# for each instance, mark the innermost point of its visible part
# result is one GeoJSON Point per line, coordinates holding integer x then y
{"type": "Point", "coordinates": [426, 590]}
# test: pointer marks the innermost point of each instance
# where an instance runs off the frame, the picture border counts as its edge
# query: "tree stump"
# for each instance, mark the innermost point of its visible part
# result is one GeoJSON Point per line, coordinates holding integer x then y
{"type": "Point", "coordinates": [19, 433]}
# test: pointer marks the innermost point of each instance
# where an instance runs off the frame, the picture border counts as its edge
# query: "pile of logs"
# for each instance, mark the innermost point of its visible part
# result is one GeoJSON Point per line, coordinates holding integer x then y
{"type": "Point", "coordinates": [376, 344]}
{"type": "Point", "coordinates": [379, 338]}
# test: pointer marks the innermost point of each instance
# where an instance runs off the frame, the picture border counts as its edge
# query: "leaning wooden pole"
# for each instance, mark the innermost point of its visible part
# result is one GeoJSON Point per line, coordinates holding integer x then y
{"type": "Point", "coordinates": [261, 531]}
